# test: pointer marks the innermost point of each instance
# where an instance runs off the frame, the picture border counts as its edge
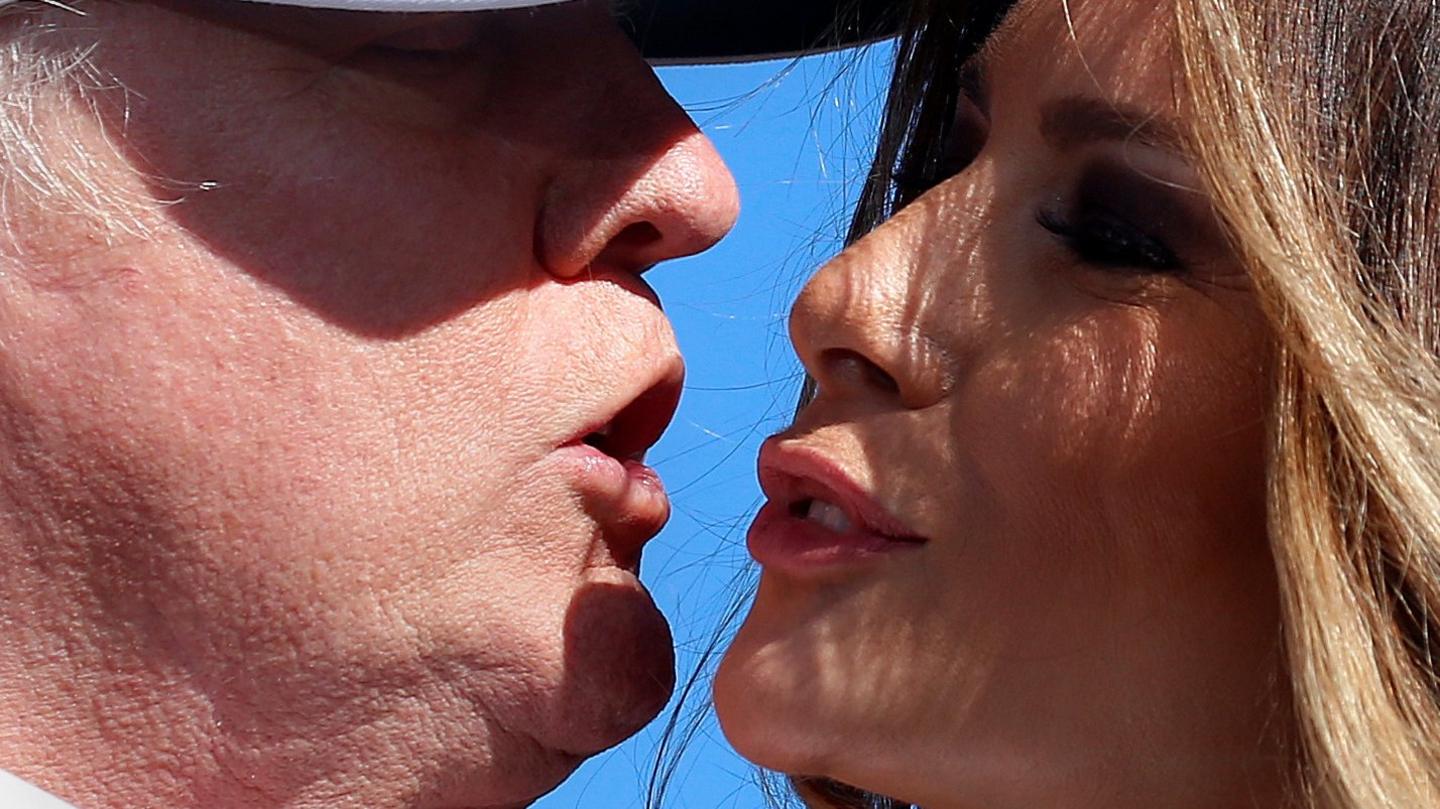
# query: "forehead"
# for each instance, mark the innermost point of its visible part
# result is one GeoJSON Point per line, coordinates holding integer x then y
{"type": "Point", "coordinates": [1117, 50]}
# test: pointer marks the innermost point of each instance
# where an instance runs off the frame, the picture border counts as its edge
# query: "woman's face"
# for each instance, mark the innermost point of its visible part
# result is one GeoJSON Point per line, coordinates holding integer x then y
{"type": "Point", "coordinates": [1015, 550]}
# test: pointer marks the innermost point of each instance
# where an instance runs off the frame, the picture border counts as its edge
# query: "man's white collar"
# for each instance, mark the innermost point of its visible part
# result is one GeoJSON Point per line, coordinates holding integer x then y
{"type": "Point", "coordinates": [18, 794]}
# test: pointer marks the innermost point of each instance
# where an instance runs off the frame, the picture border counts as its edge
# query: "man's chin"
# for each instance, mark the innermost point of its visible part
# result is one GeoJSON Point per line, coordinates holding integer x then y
{"type": "Point", "coordinates": [619, 666]}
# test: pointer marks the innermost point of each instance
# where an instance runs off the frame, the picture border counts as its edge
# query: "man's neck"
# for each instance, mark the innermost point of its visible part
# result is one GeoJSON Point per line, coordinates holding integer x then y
{"type": "Point", "coordinates": [17, 793]}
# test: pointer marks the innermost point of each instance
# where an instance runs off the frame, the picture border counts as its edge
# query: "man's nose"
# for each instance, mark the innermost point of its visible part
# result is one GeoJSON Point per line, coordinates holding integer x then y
{"type": "Point", "coordinates": [864, 326]}
{"type": "Point", "coordinates": [651, 187]}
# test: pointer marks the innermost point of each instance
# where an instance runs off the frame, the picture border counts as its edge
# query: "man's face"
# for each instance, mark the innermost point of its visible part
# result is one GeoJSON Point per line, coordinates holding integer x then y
{"type": "Point", "coordinates": [312, 446]}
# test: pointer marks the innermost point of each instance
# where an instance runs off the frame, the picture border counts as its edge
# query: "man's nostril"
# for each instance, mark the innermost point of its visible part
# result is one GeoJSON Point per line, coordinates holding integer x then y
{"type": "Point", "coordinates": [638, 236]}
{"type": "Point", "coordinates": [636, 248]}
{"type": "Point", "coordinates": [854, 370]}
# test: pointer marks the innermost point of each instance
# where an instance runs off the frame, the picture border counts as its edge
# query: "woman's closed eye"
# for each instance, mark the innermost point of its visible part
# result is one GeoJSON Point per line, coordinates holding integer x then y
{"type": "Point", "coordinates": [1103, 240]}
{"type": "Point", "coordinates": [1120, 218]}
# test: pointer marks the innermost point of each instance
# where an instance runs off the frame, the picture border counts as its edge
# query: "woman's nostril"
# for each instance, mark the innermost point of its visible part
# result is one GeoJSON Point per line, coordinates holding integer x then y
{"type": "Point", "coordinates": [854, 370]}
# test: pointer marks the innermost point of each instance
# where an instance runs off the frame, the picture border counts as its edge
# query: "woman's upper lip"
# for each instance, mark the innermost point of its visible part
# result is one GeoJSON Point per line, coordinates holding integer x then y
{"type": "Point", "coordinates": [791, 472]}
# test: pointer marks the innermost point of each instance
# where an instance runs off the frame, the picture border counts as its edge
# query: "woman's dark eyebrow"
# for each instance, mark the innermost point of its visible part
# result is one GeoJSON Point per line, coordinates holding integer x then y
{"type": "Point", "coordinates": [1077, 120]}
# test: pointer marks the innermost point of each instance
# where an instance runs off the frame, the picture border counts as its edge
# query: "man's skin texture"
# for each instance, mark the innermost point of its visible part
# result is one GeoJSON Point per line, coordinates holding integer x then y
{"type": "Point", "coordinates": [294, 510]}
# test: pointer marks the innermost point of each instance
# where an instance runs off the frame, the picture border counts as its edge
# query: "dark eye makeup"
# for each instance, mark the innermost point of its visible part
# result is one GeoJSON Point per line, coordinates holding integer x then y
{"type": "Point", "coordinates": [1103, 241]}
{"type": "Point", "coordinates": [1118, 219]}
{"type": "Point", "coordinates": [1128, 207]}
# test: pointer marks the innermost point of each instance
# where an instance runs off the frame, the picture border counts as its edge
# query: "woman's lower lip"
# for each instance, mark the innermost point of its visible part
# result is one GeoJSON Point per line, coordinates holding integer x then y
{"type": "Point", "coordinates": [782, 541]}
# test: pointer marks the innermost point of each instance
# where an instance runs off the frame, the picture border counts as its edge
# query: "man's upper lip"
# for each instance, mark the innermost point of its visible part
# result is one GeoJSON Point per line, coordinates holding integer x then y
{"type": "Point", "coordinates": [791, 473]}
{"type": "Point", "coordinates": [637, 423]}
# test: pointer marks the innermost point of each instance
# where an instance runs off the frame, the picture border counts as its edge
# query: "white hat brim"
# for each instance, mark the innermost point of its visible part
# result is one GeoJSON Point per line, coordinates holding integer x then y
{"type": "Point", "coordinates": [694, 32]}
{"type": "Point", "coordinates": [411, 5]}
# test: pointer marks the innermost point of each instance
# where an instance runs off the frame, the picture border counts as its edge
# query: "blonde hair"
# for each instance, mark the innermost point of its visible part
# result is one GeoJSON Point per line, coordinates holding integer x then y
{"type": "Point", "coordinates": [1316, 126]}
{"type": "Point", "coordinates": [1320, 143]}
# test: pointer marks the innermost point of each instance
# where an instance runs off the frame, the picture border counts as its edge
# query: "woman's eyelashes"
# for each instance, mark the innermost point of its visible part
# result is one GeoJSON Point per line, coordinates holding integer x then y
{"type": "Point", "coordinates": [1119, 218]}
{"type": "Point", "coordinates": [1105, 241]}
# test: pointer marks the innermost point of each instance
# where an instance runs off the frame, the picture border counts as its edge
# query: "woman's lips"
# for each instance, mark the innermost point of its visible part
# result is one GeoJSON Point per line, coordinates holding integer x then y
{"type": "Point", "coordinates": [818, 519]}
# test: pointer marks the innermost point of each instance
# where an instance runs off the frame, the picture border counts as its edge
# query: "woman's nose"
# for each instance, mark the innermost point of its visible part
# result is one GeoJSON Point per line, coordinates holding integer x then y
{"type": "Point", "coordinates": [639, 183]}
{"type": "Point", "coordinates": [860, 328]}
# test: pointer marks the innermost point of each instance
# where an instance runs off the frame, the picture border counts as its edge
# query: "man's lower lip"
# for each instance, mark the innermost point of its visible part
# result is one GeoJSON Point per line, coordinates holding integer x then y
{"type": "Point", "coordinates": [625, 496]}
{"type": "Point", "coordinates": [781, 541]}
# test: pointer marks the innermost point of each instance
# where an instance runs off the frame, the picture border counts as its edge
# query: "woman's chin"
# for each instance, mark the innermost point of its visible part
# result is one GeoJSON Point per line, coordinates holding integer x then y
{"type": "Point", "coordinates": [768, 705]}
{"type": "Point", "coordinates": [778, 720]}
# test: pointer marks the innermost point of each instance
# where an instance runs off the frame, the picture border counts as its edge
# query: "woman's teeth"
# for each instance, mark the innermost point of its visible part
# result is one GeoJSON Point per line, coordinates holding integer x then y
{"type": "Point", "coordinates": [829, 515]}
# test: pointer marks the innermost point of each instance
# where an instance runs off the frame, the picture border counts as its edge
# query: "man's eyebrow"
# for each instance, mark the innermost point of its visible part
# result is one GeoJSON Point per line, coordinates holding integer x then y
{"type": "Point", "coordinates": [1076, 120]}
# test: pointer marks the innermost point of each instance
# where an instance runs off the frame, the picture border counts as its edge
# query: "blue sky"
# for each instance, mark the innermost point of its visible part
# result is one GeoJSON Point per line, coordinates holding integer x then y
{"type": "Point", "coordinates": [797, 137]}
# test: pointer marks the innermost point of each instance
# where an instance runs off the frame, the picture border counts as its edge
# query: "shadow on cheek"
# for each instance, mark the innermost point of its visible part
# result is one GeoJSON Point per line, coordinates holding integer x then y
{"type": "Point", "coordinates": [384, 228]}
